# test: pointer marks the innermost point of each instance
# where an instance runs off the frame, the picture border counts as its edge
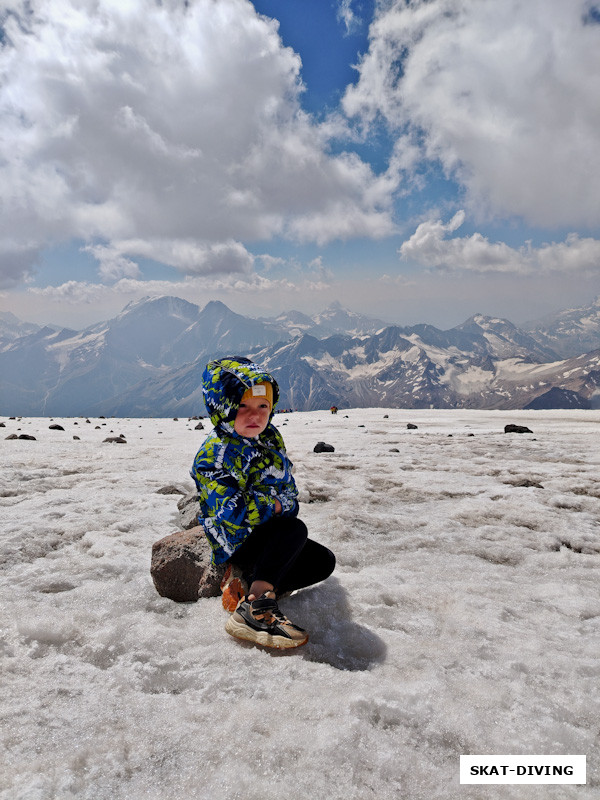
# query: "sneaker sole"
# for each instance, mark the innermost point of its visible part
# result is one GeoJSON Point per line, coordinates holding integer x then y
{"type": "Point", "coordinates": [240, 631]}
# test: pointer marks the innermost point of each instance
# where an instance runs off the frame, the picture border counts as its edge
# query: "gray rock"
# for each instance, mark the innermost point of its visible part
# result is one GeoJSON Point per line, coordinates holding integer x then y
{"type": "Point", "coordinates": [56, 427]}
{"type": "Point", "coordinates": [115, 440]}
{"type": "Point", "coordinates": [12, 436]}
{"type": "Point", "coordinates": [412, 427]}
{"type": "Point", "coordinates": [181, 567]}
{"type": "Point", "coordinates": [188, 498]}
{"type": "Point", "coordinates": [199, 427]}
{"type": "Point", "coordinates": [169, 490]}
{"type": "Point", "coordinates": [28, 437]}
{"type": "Point", "coordinates": [189, 509]}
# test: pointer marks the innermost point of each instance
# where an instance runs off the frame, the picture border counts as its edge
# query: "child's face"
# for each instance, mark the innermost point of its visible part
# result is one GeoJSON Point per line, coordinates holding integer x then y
{"type": "Point", "coordinates": [252, 417]}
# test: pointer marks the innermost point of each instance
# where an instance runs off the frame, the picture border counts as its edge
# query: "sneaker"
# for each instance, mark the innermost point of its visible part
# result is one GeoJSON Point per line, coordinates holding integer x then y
{"type": "Point", "coordinates": [233, 586]}
{"type": "Point", "coordinates": [262, 622]}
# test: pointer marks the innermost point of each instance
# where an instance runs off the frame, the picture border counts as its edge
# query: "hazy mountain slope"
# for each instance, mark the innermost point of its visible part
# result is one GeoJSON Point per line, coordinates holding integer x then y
{"type": "Point", "coordinates": [505, 340]}
{"type": "Point", "coordinates": [570, 332]}
{"type": "Point", "coordinates": [30, 370]}
{"type": "Point", "coordinates": [73, 373]}
{"type": "Point", "coordinates": [333, 320]}
{"type": "Point", "coordinates": [149, 359]}
{"type": "Point", "coordinates": [178, 392]}
{"type": "Point", "coordinates": [11, 328]}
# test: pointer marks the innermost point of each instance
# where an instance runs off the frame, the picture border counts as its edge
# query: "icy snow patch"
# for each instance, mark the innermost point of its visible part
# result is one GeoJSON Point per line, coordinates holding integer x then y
{"type": "Point", "coordinates": [463, 615]}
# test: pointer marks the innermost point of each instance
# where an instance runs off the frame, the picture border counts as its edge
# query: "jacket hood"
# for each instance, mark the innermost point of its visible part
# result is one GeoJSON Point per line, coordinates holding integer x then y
{"type": "Point", "coordinates": [225, 380]}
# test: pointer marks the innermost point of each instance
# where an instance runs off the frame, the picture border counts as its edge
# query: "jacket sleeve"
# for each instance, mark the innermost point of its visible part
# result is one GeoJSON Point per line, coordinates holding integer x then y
{"type": "Point", "coordinates": [276, 479]}
{"type": "Point", "coordinates": [229, 512]}
{"type": "Point", "coordinates": [287, 494]}
{"type": "Point", "coordinates": [287, 498]}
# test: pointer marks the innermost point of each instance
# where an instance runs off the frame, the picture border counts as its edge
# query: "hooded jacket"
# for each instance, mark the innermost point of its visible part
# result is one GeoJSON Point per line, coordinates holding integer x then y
{"type": "Point", "coordinates": [239, 478]}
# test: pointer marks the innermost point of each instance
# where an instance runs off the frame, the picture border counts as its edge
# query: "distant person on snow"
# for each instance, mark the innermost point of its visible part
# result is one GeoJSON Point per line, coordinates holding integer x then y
{"type": "Point", "coordinates": [249, 506]}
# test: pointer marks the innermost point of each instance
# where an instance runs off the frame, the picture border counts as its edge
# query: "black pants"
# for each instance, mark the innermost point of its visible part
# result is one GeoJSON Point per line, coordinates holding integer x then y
{"type": "Point", "coordinates": [280, 552]}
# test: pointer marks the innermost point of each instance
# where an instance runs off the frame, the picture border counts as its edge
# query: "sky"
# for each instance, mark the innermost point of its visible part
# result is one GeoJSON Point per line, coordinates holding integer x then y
{"type": "Point", "coordinates": [416, 160]}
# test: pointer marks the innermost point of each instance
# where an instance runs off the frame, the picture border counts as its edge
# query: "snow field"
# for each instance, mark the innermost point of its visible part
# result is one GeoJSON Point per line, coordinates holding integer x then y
{"type": "Point", "coordinates": [463, 616]}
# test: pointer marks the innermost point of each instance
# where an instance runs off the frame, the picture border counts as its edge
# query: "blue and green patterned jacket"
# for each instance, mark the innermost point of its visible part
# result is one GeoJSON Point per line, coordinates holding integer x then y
{"type": "Point", "coordinates": [239, 478]}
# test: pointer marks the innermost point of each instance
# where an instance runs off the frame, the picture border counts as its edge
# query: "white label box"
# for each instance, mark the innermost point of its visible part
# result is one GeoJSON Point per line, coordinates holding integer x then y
{"type": "Point", "coordinates": [522, 769]}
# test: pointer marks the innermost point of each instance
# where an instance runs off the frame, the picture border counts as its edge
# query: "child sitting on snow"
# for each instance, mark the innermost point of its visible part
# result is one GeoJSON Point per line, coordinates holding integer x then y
{"type": "Point", "coordinates": [249, 506]}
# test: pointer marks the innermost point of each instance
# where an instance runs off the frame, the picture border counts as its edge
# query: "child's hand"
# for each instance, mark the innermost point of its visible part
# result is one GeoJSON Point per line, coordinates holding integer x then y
{"type": "Point", "coordinates": [278, 508]}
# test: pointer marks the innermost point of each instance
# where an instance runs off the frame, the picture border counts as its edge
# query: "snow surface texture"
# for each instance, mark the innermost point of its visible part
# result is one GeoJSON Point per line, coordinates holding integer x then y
{"type": "Point", "coordinates": [463, 617]}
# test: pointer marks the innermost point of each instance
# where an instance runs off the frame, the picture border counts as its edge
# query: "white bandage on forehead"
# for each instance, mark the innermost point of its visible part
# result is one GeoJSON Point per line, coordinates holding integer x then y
{"type": "Point", "coordinates": [259, 390]}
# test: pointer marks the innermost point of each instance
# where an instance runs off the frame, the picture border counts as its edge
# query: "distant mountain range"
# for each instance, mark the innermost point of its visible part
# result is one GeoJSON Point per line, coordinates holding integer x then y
{"type": "Point", "coordinates": [12, 328]}
{"type": "Point", "coordinates": [571, 332]}
{"type": "Point", "coordinates": [148, 361]}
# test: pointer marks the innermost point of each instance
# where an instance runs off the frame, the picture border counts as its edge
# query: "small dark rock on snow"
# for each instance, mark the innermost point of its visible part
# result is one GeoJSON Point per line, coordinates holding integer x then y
{"type": "Point", "coordinates": [525, 483]}
{"type": "Point", "coordinates": [115, 440]}
{"type": "Point", "coordinates": [169, 490]}
{"type": "Point", "coordinates": [323, 447]}
{"type": "Point", "coordinates": [516, 429]}
{"type": "Point", "coordinates": [55, 428]}
{"type": "Point", "coordinates": [412, 427]}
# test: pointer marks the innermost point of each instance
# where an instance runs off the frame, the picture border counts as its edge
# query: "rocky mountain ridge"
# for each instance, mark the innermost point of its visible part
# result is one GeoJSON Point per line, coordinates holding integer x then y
{"type": "Point", "coordinates": [148, 360]}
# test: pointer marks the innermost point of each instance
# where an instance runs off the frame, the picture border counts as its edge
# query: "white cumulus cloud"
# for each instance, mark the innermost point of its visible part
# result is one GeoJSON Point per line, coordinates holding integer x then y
{"type": "Point", "coordinates": [186, 255]}
{"type": "Point", "coordinates": [432, 245]}
{"type": "Point", "coordinates": [503, 94]}
{"type": "Point", "coordinates": [173, 123]}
